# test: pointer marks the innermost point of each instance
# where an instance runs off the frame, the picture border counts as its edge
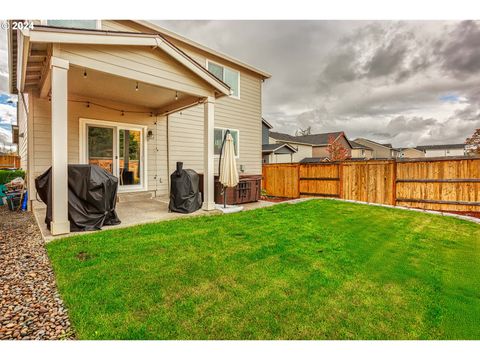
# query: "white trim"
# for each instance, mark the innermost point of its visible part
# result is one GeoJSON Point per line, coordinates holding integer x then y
{"type": "Point", "coordinates": [208, 61]}
{"type": "Point", "coordinates": [238, 141]}
{"type": "Point", "coordinates": [117, 126]}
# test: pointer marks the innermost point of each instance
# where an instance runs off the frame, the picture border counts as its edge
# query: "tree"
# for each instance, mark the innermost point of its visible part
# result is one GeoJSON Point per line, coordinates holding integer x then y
{"type": "Point", "coordinates": [473, 143]}
{"type": "Point", "coordinates": [336, 150]}
{"type": "Point", "coordinates": [301, 132]}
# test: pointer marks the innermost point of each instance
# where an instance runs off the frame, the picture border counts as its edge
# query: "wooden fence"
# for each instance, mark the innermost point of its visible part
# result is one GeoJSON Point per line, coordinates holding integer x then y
{"type": "Point", "coordinates": [434, 184]}
{"type": "Point", "coordinates": [9, 161]}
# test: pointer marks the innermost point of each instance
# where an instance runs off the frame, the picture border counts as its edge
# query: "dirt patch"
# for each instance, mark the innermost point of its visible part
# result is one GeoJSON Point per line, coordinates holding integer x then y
{"type": "Point", "coordinates": [275, 198]}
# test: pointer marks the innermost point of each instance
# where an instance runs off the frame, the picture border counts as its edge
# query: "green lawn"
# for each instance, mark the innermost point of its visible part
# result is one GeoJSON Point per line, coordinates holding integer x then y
{"type": "Point", "coordinates": [320, 269]}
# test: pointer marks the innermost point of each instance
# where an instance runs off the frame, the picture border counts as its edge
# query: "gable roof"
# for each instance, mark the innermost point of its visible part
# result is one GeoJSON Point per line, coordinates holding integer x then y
{"type": "Point", "coordinates": [356, 145]}
{"type": "Point", "coordinates": [313, 139]}
{"type": "Point", "coordinates": [441, 147]}
{"type": "Point", "coordinates": [61, 35]}
{"type": "Point", "coordinates": [269, 148]}
{"type": "Point", "coordinates": [267, 124]}
{"type": "Point", "coordinates": [178, 37]}
{"type": "Point", "coordinates": [386, 145]}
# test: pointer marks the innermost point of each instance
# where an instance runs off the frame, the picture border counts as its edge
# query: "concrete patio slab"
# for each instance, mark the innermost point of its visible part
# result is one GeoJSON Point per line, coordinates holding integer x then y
{"type": "Point", "coordinates": [137, 212]}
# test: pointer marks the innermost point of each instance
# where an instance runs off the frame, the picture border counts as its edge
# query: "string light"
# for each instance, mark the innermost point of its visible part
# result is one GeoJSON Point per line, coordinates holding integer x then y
{"type": "Point", "coordinates": [136, 87]}
{"type": "Point", "coordinates": [123, 113]}
{"type": "Point", "coordinates": [176, 95]}
{"type": "Point", "coordinates": [84, 73]}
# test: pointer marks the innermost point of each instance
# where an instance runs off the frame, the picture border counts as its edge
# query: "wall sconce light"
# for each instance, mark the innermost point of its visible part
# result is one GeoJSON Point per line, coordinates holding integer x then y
{"type": "Point", "coordinates": [242, 168]}
{"type": "Point", "coordinates": [149, 135]}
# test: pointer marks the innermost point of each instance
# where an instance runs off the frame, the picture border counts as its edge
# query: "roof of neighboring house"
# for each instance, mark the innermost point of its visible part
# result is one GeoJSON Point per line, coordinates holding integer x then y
{"type": "Point", "coordinates": [187, 41]}
{"type": "Point", "coordinates": [313, 139]}
{"type": "Point", "coordinates": [356, 145]}
{"type": "Point", "coordinates": [387, 145]}
{"type": "Point", "coordinates": [267, 123]}
{"type": "Point", "coordinates": [441, 147]}
{"type": "Point", "coordinates": [269, 148]}
{"type": "Point", "coordinates": [314, 160]}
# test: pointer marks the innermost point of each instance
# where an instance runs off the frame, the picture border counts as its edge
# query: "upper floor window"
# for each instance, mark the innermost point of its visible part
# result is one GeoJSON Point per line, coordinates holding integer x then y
{"type": "Point", "coordinates": [227, 75]}
{"type": "Point", "coordinates": [78, 24]}
{"type": "Point", "coordinates": [218, 136]}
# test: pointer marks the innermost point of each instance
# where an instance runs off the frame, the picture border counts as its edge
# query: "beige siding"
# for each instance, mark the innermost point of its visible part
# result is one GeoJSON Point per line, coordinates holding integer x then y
{"type": "Point", "coordinates": [379, 152]}
{"type": "Point", "coordinates": [157, 177]}
{"type": "Point", "coordinates": [151, 66]}
{"type": "Point", "coordinates": [357, 153]}
{"type": "Point", "coordinates": [412, 153]}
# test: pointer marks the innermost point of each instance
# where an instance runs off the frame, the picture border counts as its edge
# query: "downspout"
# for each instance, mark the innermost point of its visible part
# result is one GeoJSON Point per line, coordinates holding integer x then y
{"type": "Point", "coordinates": [168, 154]}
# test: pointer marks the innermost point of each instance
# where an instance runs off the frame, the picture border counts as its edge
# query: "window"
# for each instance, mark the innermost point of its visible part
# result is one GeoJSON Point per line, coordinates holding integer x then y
{"type": "Point", "coordinates": [218, 139]}
{"type": "Point", "coordinates": [79, 24]}
{"type": "Point", "coordinates": [228, 76]}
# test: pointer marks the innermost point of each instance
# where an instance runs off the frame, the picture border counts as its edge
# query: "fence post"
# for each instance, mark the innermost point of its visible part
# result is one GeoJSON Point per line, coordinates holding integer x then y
{"type": "Point", "coordinates": [340, 181]}
{"type": "Point", "coordinates": [297, 167]}
{"type": "Point", "coordinates": [394, 182]}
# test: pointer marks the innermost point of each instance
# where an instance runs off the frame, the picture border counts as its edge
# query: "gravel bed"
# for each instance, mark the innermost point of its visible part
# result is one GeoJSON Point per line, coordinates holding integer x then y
{"type": "Point", "coordinates": [30, 306]}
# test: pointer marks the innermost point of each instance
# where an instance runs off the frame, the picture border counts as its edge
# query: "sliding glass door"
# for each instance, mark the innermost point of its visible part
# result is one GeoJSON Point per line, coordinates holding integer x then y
{"type": "Point", "coordinates": [117, 148]}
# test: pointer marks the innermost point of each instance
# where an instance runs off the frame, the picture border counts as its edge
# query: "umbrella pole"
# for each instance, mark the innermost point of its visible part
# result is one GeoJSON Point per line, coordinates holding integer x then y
{"type": "Point", "coordinates": [224, 197]}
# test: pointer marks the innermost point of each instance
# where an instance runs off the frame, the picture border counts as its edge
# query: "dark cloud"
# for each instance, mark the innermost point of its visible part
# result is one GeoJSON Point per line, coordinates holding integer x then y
{"type": "Point", "coordinates": [459, 52]}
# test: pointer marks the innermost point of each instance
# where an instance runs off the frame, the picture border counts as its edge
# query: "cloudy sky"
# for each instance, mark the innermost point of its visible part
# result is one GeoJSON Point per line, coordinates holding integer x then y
{"type": "Point", "coordinates": [408, 83]}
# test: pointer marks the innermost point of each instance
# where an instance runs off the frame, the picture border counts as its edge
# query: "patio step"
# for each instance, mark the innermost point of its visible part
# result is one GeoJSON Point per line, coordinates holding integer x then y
{"type": "Point", "coordinates": [135, 196]}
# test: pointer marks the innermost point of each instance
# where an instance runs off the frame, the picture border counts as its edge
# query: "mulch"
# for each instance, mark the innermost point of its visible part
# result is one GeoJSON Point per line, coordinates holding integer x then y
{"type": "Point", "coordinates": [30, 306]}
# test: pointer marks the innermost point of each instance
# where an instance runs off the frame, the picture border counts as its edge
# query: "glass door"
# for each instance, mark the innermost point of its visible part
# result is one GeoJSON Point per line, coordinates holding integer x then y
{"type": "Point", "coordinates": [130, 157]}
{"type": "Point", "coordinates": [117, 148]}
{"type": "Point", "coordinates": [100, 147]}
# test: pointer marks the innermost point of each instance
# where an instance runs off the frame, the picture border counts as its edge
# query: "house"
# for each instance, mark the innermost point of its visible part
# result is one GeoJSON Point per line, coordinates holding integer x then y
{"type": "Point", "coordinates": [379, 151]}
{"type": "Point", "coordinates": [411, 153]}
{"type": "Point", "coordinates": [312, 146]}
{"type": "Point", "coordinates": [442, 150]}
{"type": "Point", "coordinates": [360, 151]}
{"type": "Point", "coordinates": [275, 152]}
{"type": "Point", "coordinates": [133, 98]}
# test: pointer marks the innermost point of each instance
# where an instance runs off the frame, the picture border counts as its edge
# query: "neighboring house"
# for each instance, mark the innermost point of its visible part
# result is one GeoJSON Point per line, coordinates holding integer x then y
{"type": "Point", "coordinates": [133, 98]}
{"type": "Point", "coordinates": [312, 146]}
{"type": "Point", "coordinates": [275, 152]}
{"type": "Point", "coordinates": [379, 151]}
{"type": "Point", "coordinates": [360, 151]}
{"type": "Point", "coordinates": [411, 153]}
{"type": "Point", "coordinates": [443, 150]}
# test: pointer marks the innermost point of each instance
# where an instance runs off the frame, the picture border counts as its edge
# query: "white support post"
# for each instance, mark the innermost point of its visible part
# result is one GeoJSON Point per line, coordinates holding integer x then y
{"type": "Point", "coordinates": [208, 155]}
{"type": "Point", "coordinates": [60, 223]}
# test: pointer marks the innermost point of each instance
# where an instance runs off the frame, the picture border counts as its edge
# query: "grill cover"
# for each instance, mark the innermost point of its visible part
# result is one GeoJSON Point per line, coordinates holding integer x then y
{"type": "Point", "coordinates": [92, 193]}
{"type": "Point", "coordinates": [185, 196]}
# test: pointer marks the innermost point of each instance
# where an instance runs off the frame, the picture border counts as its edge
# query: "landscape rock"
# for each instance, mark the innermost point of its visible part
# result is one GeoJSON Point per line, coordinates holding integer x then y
{"type": "Point", "coordinates": [30, 306]}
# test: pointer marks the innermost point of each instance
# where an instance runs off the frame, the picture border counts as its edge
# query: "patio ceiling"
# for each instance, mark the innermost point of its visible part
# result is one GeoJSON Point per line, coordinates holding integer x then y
{"type": "Point", "coordinates": [100, 85]}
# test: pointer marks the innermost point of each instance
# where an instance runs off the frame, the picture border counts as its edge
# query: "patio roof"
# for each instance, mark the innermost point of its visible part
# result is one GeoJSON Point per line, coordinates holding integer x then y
{"type": "Point", "coordinates": [54, 35]}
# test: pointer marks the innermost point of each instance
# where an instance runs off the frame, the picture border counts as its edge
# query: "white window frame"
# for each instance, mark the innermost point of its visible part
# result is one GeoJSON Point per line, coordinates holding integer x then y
{"type": "Point", "coordinates": [238, 140]}
{"type": "Point", "coordinates": [208, 61]}
{"type": "Point", "coordinates": [98, 26]}
{"type": "Point", "coordinates": [117, 126]}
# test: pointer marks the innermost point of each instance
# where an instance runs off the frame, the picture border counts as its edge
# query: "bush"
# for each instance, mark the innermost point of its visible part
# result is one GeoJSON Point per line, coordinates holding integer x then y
{"type": "Point", "coordinates": [8, 175]}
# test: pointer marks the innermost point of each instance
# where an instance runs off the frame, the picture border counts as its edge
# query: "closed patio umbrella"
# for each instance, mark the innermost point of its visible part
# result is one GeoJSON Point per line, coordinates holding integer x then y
{"type": "Point", "coordinates": [228, 166]}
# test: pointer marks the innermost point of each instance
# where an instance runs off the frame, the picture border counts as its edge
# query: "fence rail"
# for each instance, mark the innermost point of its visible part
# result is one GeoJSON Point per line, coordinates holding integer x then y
{"type": "Point", "coordinates": [9, 161]}
{"type": "Point", "coordinates": [434, 184]}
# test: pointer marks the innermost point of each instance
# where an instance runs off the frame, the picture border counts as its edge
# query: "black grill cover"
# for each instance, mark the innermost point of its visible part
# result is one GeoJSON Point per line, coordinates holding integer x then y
{"type": "Point", "coordinates": [92, 193]}
{"type": "Point", "coordinates": [185, 196]}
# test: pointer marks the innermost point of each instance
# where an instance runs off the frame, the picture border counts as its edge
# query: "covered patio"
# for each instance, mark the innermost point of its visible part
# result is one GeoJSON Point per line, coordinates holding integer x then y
{"type": "Point", "coordinates": [104, 99]}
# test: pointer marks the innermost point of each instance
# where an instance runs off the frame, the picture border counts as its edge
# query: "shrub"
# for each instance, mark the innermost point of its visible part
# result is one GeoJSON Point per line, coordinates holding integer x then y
{"type": "Point", "coordinates": [8, 175]}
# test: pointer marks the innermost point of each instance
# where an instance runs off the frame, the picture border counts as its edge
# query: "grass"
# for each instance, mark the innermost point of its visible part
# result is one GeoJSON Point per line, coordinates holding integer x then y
{"type": "Point", "coordinates": [320, 269]}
